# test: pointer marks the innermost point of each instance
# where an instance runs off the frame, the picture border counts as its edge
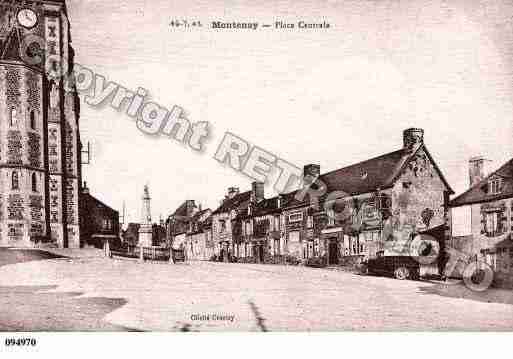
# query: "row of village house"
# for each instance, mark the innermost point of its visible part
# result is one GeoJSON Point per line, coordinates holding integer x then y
{"type": "Point", "coordinates": [387, 201]}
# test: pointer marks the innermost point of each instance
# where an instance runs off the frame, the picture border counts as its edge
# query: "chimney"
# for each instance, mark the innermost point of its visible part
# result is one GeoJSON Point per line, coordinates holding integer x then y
{"type": "Point", "coordinates": [232, 192]}
{"type": "Point", "coordinates": [257, 191]}
{"type": "Point", "coordinates": [310, 173]}
{"type": "Point", "coordinates": [190, 207]}
{"type": "Point", "coordinates": [85, 189]}
{"type": "Point", "coordinates": [413, 138]}
{"type": "Point", "coordinates": [477, 169]}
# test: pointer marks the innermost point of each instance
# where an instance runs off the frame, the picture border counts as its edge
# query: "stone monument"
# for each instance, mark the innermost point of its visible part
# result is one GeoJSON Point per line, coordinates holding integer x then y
{"type": "Point", "coordinates": [145, 229]}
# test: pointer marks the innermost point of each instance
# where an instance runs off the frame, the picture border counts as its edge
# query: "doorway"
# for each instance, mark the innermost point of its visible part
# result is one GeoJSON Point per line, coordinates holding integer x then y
{"type": "Point", "coordinates": [260, 253]}
{"type": "Point", "coordinates": [333, 252]}
{"type": "Point", "coordinates": [310, 249]}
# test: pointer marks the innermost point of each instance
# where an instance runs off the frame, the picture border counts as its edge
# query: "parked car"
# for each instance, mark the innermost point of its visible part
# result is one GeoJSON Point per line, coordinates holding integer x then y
{"type": "Point", "coordinates": [400, 267]}
{"type": "Point", "coordinates": [178, 255]}
{"type": "Point", "coordinates": [317, 262]}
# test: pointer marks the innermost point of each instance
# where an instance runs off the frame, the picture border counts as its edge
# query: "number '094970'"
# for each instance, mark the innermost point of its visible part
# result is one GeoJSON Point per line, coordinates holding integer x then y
{"type": "Point", "coordinates": [20, 342]}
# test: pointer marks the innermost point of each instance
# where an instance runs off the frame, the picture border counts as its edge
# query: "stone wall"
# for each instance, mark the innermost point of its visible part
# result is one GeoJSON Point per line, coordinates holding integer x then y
{"type": "Point", "coordinates": [296, 233]}
{"type": "Point", "coordinates": [25, 209]}
{"type": "Point", "coordinates": [22, 207]}
{"type": "Point", "coordinates": [417, 203]}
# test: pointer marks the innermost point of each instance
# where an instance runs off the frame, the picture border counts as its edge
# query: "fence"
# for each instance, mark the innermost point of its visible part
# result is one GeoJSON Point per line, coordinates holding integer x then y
{"type": "Point", "coordinates": [149, 253]}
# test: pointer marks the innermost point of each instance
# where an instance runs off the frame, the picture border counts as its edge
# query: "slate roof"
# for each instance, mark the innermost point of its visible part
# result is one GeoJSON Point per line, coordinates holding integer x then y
{"type": "Point", "coordinates": [87, 197]}
{"type": "Point", "coordinates": [181, 219]}
{"type": "Point", "coordinates": [201, 225]}
{"type": "Point", "coordinates": [376, 173]}
{"type": "Point", "coordinates": [208, 221]}
{"type": "Point", "coordinates": [367, 176]}
{"type": "Point", "coordinates": [478, 192]}
{"type": "Point", "coordinates": [364, 177]}
{"type": "Point", "coordinates": [197, 215]}
{"type": "Point", "coordinates": [266, 206]}
{"type": "Point", "coordinates": [290, 200]}
{"type": "Point", "coordinates": [239, 201]}
{"type": "Point", "coordinates": [11, 46]}
{"type": "Point", "coordinates": [181, 211]}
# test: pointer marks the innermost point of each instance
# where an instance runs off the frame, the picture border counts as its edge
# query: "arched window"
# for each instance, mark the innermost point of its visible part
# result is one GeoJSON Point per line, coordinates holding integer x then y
{"type": "Point", "coordinates": [32, 120]}
{"type": "Point", "coordinates": [15, 180]}
{"type": "Point", "coordinates": [13, 116]}
{"type": "Point", "coordinates": [34, 182]}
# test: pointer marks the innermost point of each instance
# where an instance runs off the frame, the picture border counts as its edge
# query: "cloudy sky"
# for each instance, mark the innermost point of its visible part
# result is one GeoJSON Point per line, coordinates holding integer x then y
{"type": "Point", "coordinates": [332, 97]}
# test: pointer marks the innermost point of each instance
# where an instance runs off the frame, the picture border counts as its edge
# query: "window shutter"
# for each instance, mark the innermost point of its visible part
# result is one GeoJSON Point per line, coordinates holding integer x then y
{"type": "Point", "coordinates": [483, 223]}
{"type": "Point", "coordinates": [511, 220]}
{"type": "Point", "coordinates": [503, 221]}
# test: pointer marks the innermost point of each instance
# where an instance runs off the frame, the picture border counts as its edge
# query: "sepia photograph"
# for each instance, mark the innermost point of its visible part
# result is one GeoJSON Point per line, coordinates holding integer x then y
{"type": "Point", "coordinates": [225, 166]}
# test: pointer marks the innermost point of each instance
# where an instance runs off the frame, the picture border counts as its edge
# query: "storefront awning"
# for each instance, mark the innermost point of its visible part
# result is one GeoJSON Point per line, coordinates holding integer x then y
{"type": "Point", "coordinates": [437, 232]}
{"type": "Point", "coordinates": [505, 243]}
{"type": "Point", "coordinates": [332, 230]}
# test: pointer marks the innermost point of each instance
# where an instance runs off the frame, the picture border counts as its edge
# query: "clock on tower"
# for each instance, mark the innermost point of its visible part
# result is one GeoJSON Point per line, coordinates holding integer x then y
{"type": "Point", "coordinates": [27, 18]}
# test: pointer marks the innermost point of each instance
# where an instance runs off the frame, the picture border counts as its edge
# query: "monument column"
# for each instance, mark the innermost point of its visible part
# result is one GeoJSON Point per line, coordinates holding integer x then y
{"type": "Point", "coordinates": [145, 229]}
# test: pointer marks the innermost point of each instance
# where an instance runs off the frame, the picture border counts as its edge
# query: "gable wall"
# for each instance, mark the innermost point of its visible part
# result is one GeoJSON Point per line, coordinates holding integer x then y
{"type": "Point", "coordinates": [419, 189]}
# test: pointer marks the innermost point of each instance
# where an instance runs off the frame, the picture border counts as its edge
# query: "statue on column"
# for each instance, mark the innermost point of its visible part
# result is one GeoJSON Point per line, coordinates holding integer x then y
{"type": "Point", "coordinates": [145, 229]}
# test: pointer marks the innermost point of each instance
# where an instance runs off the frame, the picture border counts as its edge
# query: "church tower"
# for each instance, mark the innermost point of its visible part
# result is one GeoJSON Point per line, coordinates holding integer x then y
{"type": "Point", "coordinates": [40, 164]}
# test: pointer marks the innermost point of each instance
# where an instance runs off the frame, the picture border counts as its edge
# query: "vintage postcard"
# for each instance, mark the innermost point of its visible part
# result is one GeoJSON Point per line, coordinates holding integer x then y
{"type": "Point", "coordinates": [255, 166]}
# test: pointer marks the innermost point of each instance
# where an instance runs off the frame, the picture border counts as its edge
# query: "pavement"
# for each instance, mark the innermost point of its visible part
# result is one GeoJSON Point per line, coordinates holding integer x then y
{"type": "Point", "coordinates": [100, 294]}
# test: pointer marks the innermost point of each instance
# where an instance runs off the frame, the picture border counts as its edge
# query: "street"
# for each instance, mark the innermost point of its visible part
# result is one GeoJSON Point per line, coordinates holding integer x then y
{"type": "Point", "coordinates": [95, 293]}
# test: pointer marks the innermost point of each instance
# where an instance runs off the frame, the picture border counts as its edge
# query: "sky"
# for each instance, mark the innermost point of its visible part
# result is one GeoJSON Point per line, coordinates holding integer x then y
{"type": "Point", "coordinates": [333, 97]}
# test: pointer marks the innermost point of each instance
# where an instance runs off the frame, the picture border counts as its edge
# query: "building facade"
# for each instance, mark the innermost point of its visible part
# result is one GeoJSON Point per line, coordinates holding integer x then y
{"type": "Point", "coordinates": [227, 222]}
{"type": "Point", "coordinates": [368, 209]}
{"type": "Point", "coordinates": [98, 221]}
{"type": "Point", "coordinates": [198, 237]}
{"type": "Point", "coordinates": [40, 164]}
{"type": "Point", "coordinates": [189, 229]}
{"type": "Point", "coordinates": [488, 210]}
{"type": "Point", "coordinates": [372, 208]}
{"type": "Point", "coordinates": [256, 234]}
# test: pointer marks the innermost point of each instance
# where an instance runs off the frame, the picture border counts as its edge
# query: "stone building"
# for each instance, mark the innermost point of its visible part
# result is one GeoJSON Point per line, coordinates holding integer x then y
{"type": "Point", "coordinates": [179, 223]}
{"type": "Point", "coordinates": [256, 235]}
{"type": "Point", "coordinates": [371, 208]}
{"type": "Point", "coordinates": [40, 164]}
{"type": "Point", "coordinates": [98, 221]}
{"type": "Point", "coordinates": [487, 208]}
{"type": "Point", "coordinates": [198, 238]}
{"type": "Point", "coordinates": [224, 219]}
{"type": "Point", "coordinates": [368, 209]}
{"type": "Point", "coordinates": [189, 228]}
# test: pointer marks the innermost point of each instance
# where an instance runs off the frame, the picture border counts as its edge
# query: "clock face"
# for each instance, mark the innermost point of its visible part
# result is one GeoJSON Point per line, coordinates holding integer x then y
{"type": "Point", "coordinates": [27, 18]}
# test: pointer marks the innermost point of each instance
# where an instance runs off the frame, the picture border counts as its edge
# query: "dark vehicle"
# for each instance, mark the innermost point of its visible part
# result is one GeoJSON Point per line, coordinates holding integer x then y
{"type": "Point", "coordinates": [178, 255]}
{"type": "Point", "coordinates": [400, 267]}
{"type": "Point", "coordinates": [316, 262]}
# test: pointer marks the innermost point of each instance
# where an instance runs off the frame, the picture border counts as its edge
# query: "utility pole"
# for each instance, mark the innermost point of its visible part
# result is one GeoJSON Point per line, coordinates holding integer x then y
{"type": "Point", "coordinates": [122, 222]}
{"type": "Point", "coordinates": [88, 153]}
